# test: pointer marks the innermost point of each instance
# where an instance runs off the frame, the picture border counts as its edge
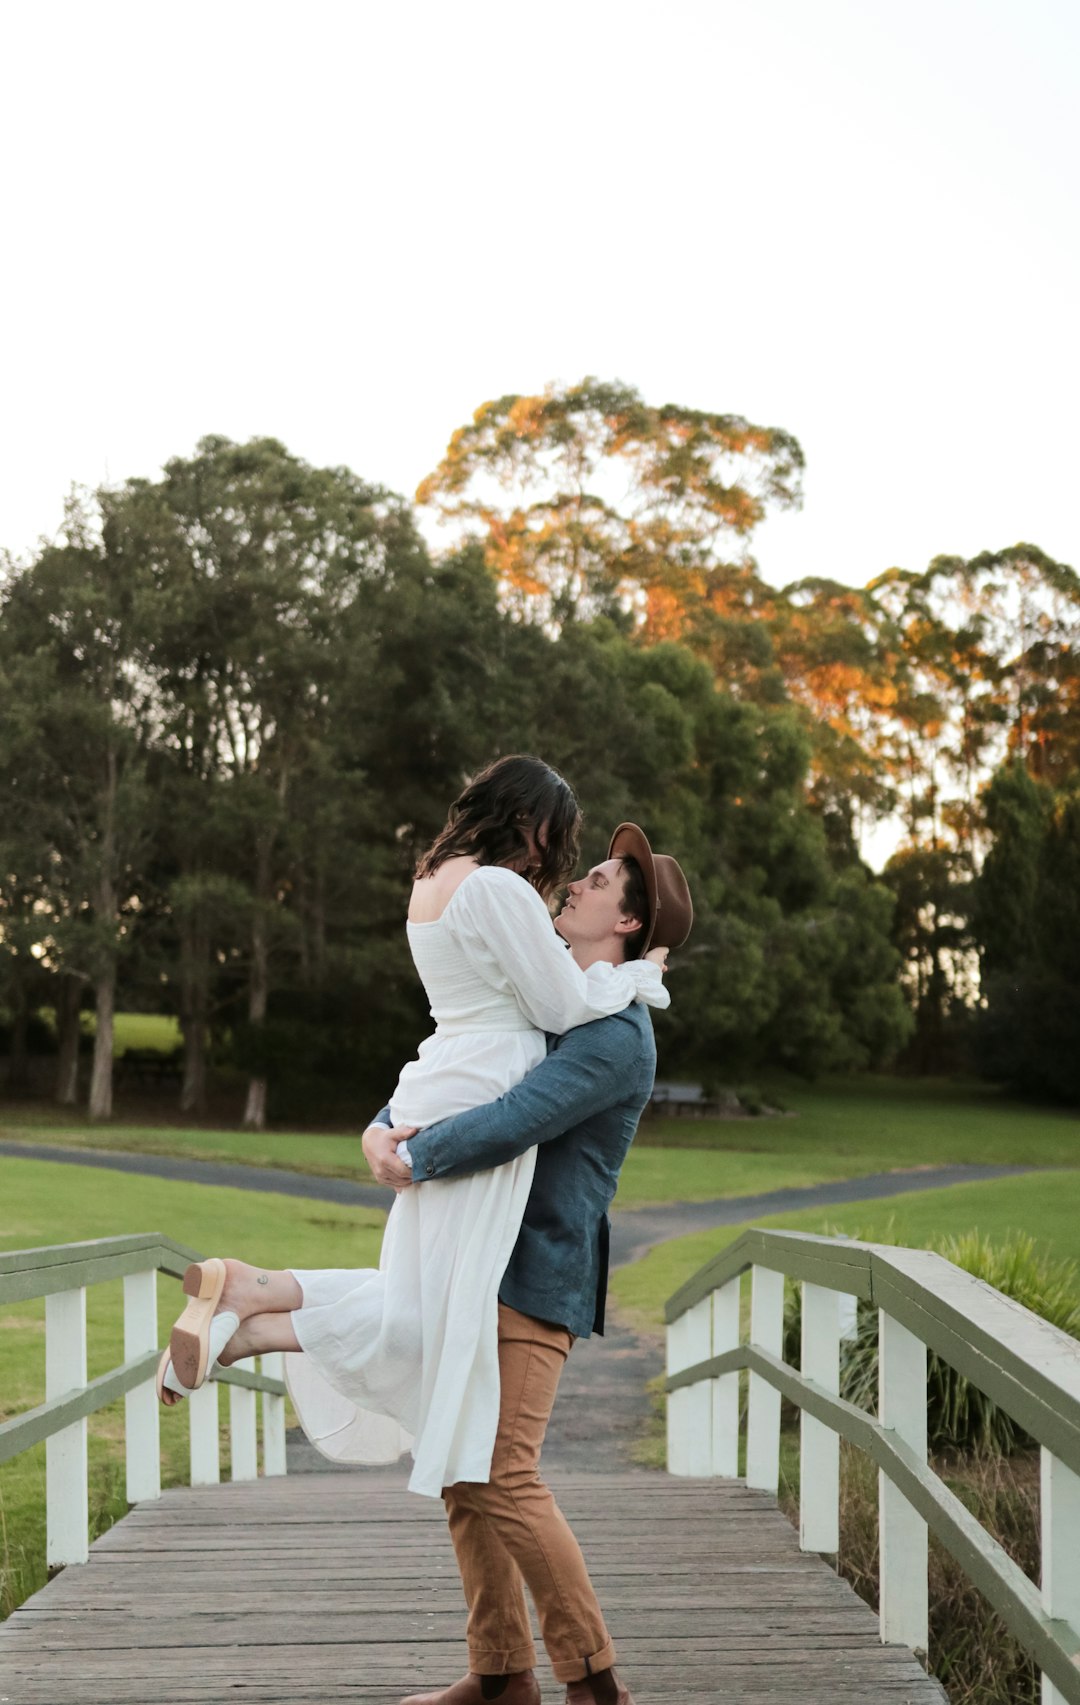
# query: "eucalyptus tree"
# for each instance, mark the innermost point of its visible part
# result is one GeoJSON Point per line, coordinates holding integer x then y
{"type": "Point", "coordinates": [585, 498]}
{"type": "Point", "coordinates": [839, 656]}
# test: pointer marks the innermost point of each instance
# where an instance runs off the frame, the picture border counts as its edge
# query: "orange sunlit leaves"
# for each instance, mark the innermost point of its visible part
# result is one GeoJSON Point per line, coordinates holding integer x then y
{"type": "Point", "coordinates": [644, 497]}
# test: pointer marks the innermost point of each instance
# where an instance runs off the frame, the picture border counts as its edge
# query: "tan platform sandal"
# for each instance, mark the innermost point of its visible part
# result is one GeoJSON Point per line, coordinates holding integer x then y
{"type": "Point", "coordinates": [189, 1341]}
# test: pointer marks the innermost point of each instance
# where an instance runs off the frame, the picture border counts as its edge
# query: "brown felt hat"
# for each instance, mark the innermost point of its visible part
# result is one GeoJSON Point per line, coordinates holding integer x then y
{"type": "Point", "coordinates": [671, 910]}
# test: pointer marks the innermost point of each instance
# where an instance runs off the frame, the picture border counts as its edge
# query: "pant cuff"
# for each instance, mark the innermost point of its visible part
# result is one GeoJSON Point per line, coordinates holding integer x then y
{"type": "Point", "coordinates": [576, 1669]}
{"type": "Point", "coordinates": [488, 1660]}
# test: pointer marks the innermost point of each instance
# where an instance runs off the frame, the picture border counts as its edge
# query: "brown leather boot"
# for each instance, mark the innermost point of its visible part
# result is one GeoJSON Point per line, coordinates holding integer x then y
{"type": "Point", "coordinates": [521, 1689]}
{"type": "Point", "coordinates": [604, 1688]}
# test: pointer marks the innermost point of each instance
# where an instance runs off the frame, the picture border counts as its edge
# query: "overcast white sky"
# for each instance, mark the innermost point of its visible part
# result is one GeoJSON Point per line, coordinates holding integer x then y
{"type": "Point", "coordinates": [347, 225]}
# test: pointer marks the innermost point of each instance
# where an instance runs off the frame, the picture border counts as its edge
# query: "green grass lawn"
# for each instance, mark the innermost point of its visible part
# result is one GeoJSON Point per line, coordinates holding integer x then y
{"type": "Point", "coordinates": [131, 1029]}
{"type": "Point", "coordinates": [44, 1204]}
{"type": "Point", "coordinates": [141, 1030]}
{"type": "Point", "coordinates": [839, 1129]}
{"type": "Point", "coordinates": [1045, 1204]}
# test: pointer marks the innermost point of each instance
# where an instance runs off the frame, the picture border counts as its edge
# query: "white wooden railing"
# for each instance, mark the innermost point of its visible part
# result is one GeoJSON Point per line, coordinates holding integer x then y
{"type": "Point", "coordinates": [61, 1273]}
{"type": "Point", "coordinates": [1028, 1367]}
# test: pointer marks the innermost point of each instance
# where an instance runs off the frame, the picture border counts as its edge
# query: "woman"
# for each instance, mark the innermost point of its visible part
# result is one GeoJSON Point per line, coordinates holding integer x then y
{"type": "Point", "coordinates": [408, 1353]}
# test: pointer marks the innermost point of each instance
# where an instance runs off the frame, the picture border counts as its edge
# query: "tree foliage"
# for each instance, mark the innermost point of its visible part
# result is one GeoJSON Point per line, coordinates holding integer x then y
{"type": "Point", "coordinates": [237, 699]}
{"type": "Point", "coordinates": [1027, 914]}
{"type": "Point", "coordinates": [586, 498]}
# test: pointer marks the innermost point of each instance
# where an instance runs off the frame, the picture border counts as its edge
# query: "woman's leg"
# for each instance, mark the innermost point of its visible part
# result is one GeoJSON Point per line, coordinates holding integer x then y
{"type": "Point", "coordinates": [247, 1291]}
{"type": "Point", "coordinates": [257, 1334]}
{"type": "Point", "coordinates": [258, 1290]}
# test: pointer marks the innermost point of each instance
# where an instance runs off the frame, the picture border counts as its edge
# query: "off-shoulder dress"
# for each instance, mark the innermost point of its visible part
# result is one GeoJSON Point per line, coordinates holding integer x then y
{"type": "Point", "coordinates": [406, 1355]}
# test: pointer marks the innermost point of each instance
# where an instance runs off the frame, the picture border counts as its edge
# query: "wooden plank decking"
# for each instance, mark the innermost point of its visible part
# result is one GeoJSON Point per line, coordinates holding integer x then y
{"type": "Point", "coordinates": [319, 1588]}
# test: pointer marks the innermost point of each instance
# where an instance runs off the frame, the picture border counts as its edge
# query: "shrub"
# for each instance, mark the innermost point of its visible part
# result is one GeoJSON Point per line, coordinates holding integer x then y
{"type": "Point", "coordinates": [971, 1653]}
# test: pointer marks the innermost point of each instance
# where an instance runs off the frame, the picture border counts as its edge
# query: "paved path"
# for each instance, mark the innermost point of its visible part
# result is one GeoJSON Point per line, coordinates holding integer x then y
{"type": "Point", "coordinates": [189, 1171]}
{"type": "Point", "coordinates": [307, 1592]}
{"type": "Point", "coordinates": [634, 1230]}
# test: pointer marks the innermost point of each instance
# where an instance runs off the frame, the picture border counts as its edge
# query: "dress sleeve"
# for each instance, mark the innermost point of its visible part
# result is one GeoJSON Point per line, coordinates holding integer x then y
{"type": "Point", "coordinates": [504, 929]}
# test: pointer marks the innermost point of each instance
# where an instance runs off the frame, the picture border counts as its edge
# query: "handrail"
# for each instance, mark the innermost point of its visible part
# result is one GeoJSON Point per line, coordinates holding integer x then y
{"type": "Point", "coordinates": [27, 1273]}
{"type": "Point", "coordinates": [1027, 1366]}
{"type": "Point", "coordinates": [60, 1273]}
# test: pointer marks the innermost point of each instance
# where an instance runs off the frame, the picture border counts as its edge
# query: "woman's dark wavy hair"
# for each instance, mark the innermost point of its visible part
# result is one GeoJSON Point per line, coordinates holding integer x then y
{"type": "Point", "coordinates": [488, 822]}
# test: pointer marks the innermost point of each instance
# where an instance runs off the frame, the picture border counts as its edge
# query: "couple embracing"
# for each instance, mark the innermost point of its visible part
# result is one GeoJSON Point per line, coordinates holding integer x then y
{"type": "Point", "coordinates": [503, 1140]}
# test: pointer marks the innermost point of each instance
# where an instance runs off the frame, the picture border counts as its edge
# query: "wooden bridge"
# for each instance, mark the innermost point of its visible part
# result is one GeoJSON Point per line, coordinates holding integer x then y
{"type": "Point", "coordinates": [317, 1587]}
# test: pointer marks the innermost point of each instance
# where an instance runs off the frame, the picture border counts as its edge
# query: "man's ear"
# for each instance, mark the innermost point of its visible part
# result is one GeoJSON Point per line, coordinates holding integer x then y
{"type": "Point", "coordinates": [628, 924]}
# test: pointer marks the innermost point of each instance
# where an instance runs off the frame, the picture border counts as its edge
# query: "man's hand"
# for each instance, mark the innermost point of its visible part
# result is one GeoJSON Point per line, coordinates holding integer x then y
{"type": "Point", "coordinates": [380, 1151]}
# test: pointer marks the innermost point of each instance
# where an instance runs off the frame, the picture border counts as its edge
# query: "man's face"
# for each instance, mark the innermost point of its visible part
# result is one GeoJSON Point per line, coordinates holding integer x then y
{"type": "Point", "coordinates": [591, 911]}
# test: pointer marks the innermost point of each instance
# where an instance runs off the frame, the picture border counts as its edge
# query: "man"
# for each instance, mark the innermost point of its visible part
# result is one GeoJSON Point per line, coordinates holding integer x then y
{"type": "Point", "coordinates": [581, 1106]}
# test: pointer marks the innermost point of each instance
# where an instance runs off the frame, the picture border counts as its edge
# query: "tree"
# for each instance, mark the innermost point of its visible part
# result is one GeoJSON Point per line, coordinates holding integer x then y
{"type": "Point", "coordinates": [264, 562]}
{"type": "Point", "coordinates": [1028, 916]}
{"type": "Point", "coordinates": [78, 679]}
{"type": "Point", "coordinates": [931, 931]}
{"type": "Point", "coordinates": [837, 653]}
{"type": "Point", "coordinates": [586, 499]}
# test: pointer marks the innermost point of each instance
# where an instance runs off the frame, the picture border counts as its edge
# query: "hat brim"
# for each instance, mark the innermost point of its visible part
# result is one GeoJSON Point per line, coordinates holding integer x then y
{"type": "Point", "coordinates": [629, 841]}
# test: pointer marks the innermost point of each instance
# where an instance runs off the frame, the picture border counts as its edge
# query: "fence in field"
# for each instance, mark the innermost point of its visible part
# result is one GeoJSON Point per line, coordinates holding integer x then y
{"type": "Point", "coordinates": [61, 1273]}
{"type": "Point", "coordinates": [1028, 1367]}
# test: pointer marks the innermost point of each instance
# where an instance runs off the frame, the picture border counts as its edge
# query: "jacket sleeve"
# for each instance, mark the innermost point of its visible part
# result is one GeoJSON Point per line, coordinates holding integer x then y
{"type": "Point", "coordinates": [503, 928]}
{"type": "Point", "coordinates": [585, 1073]}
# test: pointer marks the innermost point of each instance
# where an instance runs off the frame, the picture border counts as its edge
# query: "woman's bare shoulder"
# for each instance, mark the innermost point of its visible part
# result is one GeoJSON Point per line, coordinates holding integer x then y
{"type": "Point", "coordinates": [432, 894]}
{"type": "Point", "coordinates": [493, 889]}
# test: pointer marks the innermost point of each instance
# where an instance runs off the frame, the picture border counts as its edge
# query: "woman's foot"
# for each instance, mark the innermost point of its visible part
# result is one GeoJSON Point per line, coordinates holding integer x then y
{"type": "Point", "coordinates": [223, 1291]}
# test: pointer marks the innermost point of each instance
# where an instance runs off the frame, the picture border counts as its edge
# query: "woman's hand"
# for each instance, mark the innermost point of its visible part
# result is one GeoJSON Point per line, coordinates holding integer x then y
{"type": "Point", "coordinates": [658, 956]}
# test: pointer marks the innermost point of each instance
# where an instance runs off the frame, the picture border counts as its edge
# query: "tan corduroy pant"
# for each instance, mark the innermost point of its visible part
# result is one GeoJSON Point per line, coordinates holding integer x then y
{"type": "Point", "coordinates": [510, 1533]}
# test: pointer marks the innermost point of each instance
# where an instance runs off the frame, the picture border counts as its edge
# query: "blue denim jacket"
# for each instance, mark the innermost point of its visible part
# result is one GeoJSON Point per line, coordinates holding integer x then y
{"type": "Point", "coordinates": [581, 1105]}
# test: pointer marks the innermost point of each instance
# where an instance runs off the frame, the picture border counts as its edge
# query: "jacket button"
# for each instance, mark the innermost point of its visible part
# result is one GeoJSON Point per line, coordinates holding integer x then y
{"type": "Point", "coordinates": [431, 1166]}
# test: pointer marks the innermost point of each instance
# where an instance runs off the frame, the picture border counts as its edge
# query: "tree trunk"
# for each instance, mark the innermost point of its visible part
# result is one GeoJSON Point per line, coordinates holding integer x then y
{"type": "Point", "coordinates": [194, 1005]}
{"type": "Point", "coordinates": [255, 1109]}
{"type": "Point", "coordinates": [255, 1105]}
{"type": "Point", "coordinates": [19, 1058]}
{"type": "Point", "coordinates": [68, 1030]}
{"type": "Point", "coordinates": [193, 1086]}
{"type": "Point", "coordinates": [101, 1075]}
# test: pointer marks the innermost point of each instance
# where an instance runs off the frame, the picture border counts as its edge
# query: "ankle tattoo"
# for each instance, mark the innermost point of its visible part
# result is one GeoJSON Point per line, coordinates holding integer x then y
{"type": "Point", "coordinates": [263, 1279]}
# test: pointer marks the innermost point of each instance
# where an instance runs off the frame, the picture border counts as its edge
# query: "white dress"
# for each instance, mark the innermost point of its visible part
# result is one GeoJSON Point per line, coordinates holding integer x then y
{"type": "Point", "coordinates": [406, 1355]}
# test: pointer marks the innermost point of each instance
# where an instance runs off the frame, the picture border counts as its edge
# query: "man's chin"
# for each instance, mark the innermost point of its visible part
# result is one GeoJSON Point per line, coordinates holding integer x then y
{"type": "Point", "coordinates": [561, 922]}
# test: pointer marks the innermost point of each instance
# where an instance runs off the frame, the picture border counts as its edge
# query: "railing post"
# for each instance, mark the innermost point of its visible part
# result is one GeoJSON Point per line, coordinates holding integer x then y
{"type": "Point", "coordinates": [243, 1450]}
{"type": "Point", "coordinates": [689, 1411]}
{"type": "Point", "coordinates": [1060, 1507]}
{"type": "Point", "coordinates": [725, 1397]}
{"type": "Point", "coordinates": [67, 1519]}
{"type": "Point", "coordinates": [142, 1433]}
{"type": "Point", "coordinates": [763, 1423]}
{"type": "Point", "coordinates": [819, 1450]}
{"type": "Point", "coordinates": [273, 1416]}
{"type": "Point", "coordinates": [904, 1546]}
{"type": "Point", "coordinates": [203, 1422]}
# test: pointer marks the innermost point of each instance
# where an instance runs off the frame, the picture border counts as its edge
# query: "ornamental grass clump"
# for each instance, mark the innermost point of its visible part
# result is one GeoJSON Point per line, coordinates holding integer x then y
{"type": "Point", "coordinates": [971, 1653]}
